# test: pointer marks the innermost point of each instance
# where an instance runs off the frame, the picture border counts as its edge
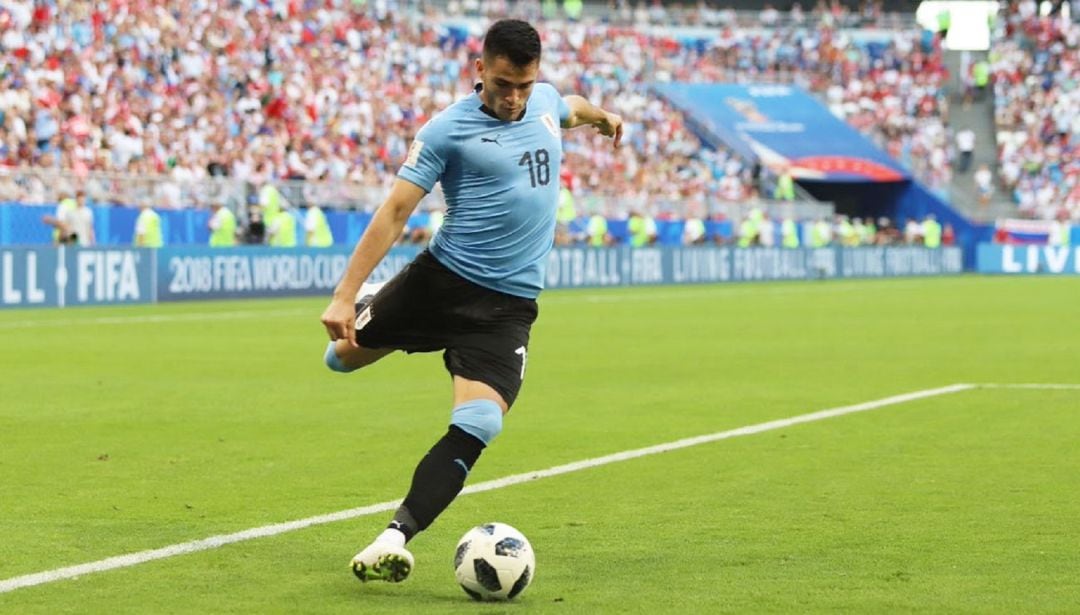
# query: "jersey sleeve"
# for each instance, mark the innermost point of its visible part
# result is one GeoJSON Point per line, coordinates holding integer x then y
{"type": "Point", "coordinates": [426, 160]}
{"type": "Point", "coordinates": [564, 109]}
{"type": "Point", "coordinates": [556, 100]}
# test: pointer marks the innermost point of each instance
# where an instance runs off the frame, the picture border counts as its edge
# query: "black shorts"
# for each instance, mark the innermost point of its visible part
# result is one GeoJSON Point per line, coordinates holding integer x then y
{"type": "Point", "coordinates": [426, 307]}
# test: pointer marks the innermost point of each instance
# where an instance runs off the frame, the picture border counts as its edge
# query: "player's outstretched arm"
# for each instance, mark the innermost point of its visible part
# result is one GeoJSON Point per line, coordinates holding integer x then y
{"type": "Point", "coordinates": [584, 113]}
{"type": "Point", "coordinates": [384, 229]}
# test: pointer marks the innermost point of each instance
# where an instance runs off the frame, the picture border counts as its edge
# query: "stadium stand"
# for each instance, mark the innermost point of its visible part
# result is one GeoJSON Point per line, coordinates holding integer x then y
{"type": "Point", "coordinates": [1037, 110]}
{"type": "Point", "coordinates": [182, 102]}
{"type": "Point", "coordinates": [280, 92]}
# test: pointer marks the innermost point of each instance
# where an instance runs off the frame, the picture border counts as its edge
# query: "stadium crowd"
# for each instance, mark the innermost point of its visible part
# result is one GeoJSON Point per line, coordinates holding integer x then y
{"type": "Point", "coordinates": [1036, 76]}
{"type": "Point", "coordinates": [260, 91]}
{"type": "Point", "coordinates": [331, 91]}
{"type": "Point", "coordinates": [279, 91]}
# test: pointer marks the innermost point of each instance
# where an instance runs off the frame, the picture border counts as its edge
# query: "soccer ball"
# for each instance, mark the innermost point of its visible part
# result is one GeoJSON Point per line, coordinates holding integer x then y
{"type": "Point", "coordinates": [494, 562]}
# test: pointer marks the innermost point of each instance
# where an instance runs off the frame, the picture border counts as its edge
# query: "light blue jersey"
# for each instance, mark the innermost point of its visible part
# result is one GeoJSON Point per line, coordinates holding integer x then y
{"type": "Point", "coordinates": [501, 181]}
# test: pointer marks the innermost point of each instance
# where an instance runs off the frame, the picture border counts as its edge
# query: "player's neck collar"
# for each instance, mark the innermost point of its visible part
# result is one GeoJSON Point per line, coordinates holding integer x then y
{"type": "Point", "coordinates": [479, 87]}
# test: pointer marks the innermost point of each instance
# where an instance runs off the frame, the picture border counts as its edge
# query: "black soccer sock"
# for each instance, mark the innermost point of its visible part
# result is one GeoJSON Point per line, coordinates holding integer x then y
{"type": "Point", "coordinates": [438, 479]}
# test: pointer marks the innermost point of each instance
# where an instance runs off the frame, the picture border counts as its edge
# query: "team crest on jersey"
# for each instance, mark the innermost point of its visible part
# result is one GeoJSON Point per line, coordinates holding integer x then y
{"type": "Point", "coordinates": [549, 122]}
{"type": "Point", "coordinates": [414, 153]}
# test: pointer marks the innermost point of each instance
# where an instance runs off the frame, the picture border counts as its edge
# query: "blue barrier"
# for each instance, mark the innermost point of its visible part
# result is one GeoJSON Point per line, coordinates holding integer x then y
{"type": "Point", "coordinates": [590, 267]}
{"type": "Point", "coordinates": [1031, 259]}
{"type": "Point", "coordinates": [59, 277]}
{"type": "Point", "coordinates": [114, 225]}
{"type": "Point", "coordinates": [22, 225]}
{"type": "Point", "coordinates": [46, 276]}
{"type": "Point", "coordinates": [230, 273]}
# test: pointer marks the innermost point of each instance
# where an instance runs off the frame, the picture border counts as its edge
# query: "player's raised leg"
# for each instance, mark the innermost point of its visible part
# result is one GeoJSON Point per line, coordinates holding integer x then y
{"type": "Point", "coordinates": [475, 421]}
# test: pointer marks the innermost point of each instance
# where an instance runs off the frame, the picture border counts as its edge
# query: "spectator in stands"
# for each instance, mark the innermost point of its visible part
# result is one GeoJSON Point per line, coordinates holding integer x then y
{"type": "Point", "coordinates": [316, 228]}
{"type": "Point", "coordinates": [1060, 233]}
{"type": "Point", "coordinates": [859, 229]}
{"type": "Point", "coordinates": [61, 234]}
{"type": "Point", "coordinates": [869, 232]}
{"type": "Point", "coordinates": [79, 222]}
{"type": "Point", "coordinates": [640, 233]}
{"type": "Point", "coordinates": [74, 221]}
{"type": "Point", "coordinates": [931, 231]}
{"type": "Point", "coordinates": [821, 233]}
{"type": "Point", "coordinates": [948, 235]}
{"type": "Point", "coordinates": [789, 233]}
{"type": "Point", "coordinates": [693, 231]}
{"type": "Point", "coordinates": [1037, 113]}
{"type": "Point", "coordinates": [913, 232]}
{"type": "Point", "coordinates": [273, 124]}
{"type": "Point", "coordinates": [887, 234]}
{"type": "Point", "coordinates": [255, 229]}
{"type": "Point", "coordinates": [748, 231]}
{"type": "Point", "coordinates": [766, 234]}
{"type": "Point", "coordinates": [222, 224]}
{"type": "Point", "coordinates": [598, 230]}
{"type": "Point", "coordinates": [147, 227]}
{"type": "Point", "coordinates": [980, 75]}
{"type": "Point", "coordinates": [844, 231]}
{"type": "Point", "coordinates": [281, 230]}
{"type": "Point", "coordinates": [261, 91]}
{"type": "Point", "coordinates": [965, 144]}
{"type": "Point", "coordinates": [785, 184]}
{"type": "Point", "coordinates": [984, 184]}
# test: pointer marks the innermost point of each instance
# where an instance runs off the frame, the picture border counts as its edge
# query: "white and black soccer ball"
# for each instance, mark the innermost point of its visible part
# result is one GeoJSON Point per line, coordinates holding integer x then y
{"type": "Point", "coordinates": [494, 562]}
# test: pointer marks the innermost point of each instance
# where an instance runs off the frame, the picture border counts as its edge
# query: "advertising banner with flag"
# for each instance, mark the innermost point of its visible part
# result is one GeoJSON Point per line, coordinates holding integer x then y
{"type": "Point", "coordinates": [784, 127]}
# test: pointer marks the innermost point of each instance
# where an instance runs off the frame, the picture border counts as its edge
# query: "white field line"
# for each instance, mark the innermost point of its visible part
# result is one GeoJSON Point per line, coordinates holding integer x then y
{"type": "Point", "coordinates": [1034, 385]}
{"type": "Point", "coordinates": [132, 559]}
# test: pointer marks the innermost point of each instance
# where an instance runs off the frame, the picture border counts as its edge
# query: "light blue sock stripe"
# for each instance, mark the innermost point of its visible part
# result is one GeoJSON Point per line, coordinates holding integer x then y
{"type": "Point", "coordinates": [480, 418]}
{"type": "Point", "coordinates": [332, 361]}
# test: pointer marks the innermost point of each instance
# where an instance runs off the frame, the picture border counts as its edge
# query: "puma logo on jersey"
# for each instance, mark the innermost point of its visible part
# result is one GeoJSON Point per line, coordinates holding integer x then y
{"type": "Point", "coordinates": [494, 140]}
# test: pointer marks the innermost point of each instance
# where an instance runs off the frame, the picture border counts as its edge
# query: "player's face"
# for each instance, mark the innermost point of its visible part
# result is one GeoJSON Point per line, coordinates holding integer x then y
{"type": "Point", "coordinates": [506, 86]}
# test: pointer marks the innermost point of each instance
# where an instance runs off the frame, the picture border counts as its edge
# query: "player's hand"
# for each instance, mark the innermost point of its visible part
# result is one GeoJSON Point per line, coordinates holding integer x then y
{"type": "Point", "coordinates": [611, 126]}
{"type": "Point", "coordinates": [339, 318]}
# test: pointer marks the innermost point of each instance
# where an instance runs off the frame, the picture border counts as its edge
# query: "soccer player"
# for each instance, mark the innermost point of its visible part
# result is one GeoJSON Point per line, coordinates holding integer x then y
{"type": "Point", "coordinates": [473, 292]}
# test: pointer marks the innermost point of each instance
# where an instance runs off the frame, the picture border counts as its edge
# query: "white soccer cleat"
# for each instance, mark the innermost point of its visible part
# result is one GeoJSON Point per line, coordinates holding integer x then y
{"type": "Point", "coordinates": [382, 561]}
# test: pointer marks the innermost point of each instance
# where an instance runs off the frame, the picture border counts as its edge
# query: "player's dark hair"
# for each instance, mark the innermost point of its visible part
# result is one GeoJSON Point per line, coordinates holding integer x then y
{"type": "Point", "coordinates": [514, 40]}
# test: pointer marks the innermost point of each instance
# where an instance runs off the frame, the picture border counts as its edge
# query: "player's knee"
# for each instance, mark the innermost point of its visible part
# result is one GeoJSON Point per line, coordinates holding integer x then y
{"type": "Point", "coordinates": [480, 418]}
{"type": "Point", "coordinates": [333, 361]}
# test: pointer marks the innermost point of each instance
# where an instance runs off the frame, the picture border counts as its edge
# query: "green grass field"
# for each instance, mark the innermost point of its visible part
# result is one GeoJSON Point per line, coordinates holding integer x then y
{"type": "Point", "coordinates": [127, 429]}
